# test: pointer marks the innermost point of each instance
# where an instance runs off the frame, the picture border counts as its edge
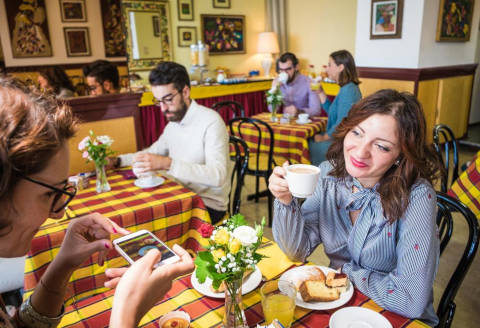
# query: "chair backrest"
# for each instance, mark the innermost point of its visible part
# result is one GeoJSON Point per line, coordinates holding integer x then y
{"type": "Point", "coordinates": [449, 154]}
{"type": "Point", "coordinates": [241, 154]}
{"type": "Point", "coordinates": [259, 138]}
{"type": "Point", "coordinates": [229, 109]}
{"type": "Point", "coordinates": [446, 205]}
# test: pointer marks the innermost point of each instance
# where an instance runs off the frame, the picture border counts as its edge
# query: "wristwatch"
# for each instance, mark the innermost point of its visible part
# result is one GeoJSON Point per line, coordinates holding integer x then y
{"type": "Point", "coordinates": [117, 162]}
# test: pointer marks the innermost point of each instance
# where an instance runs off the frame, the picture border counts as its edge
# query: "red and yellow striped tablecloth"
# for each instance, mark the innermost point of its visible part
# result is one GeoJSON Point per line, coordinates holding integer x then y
{"type": "Point", "coordinates": [291, 140]}
{"type": "Point", "coordinates": [171, 211]}
{"type": "Point", "coordinates": [467, 187]}
{"type": "Point", "coordinates": [208, 312]}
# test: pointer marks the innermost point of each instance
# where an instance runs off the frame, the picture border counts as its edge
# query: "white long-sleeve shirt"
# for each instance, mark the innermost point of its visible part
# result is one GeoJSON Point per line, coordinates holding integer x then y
{"type": "Point", "coordinates": [198, 147]}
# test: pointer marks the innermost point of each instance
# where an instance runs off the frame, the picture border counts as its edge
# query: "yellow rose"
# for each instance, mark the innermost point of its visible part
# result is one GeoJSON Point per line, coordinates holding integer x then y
{"type": "Point", "coordinates": [222, 237]}
{"type": "Point", "coordinates": [235, 246]}
{"type": "Point", "coordinates": [218, 254]}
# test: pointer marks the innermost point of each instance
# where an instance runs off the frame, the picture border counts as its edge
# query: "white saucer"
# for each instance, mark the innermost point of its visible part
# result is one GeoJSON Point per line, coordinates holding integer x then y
{"type": "Point", "coordinates": [149, 183]}
{"type": "Point", "coordinates": [354, 316]}
{"type": "Point", "coordinates": [304, 122]}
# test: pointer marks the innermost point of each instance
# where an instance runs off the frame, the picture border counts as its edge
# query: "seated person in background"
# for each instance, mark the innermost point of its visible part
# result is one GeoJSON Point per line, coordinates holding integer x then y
{"type": "Point", "coordinates": [341, 68]}
{"type": "Point", "coordinates": [34, 133]}
{"type": "Point", "coordinates": [194, 145]}
{"type": "Point", "coordinates": [102, 78]}
{"type": "Point", "coordinates": [54, 79]}
{"type": "Point", "coordinates": [297, 95]}
{"type": "Point", "coordinates": [374, 207]}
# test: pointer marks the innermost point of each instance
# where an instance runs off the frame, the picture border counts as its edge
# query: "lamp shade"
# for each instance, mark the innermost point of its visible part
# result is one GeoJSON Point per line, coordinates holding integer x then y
{"type": "Point", "coordinates": [267, 43]}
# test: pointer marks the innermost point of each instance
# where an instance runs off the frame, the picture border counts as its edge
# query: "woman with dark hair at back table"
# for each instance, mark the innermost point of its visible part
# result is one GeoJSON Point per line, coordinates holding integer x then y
{"type": "Point", "coordinates": [374, 207]}
{"type": "Point", "coordinates": [54, 79]}
{"type": "Point", "coordinates": [341, 68]}
{"type": "Point", "coordinates": [34, 162]}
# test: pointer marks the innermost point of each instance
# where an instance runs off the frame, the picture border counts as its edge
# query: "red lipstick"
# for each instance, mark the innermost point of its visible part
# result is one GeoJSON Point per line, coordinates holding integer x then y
{"type": "Point", "coordinates": [357, 163]}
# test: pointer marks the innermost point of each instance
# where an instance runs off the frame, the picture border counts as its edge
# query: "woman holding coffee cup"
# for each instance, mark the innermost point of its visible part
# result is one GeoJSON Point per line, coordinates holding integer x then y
{"type": "Point", "coordinates": [374, 208]}
{"type": "Point", "coordinates": [341, 68]}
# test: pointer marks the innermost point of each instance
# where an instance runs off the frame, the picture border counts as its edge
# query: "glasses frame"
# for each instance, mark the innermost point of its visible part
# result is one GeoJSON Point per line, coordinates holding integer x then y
{"type": "Point", "coordinates": [58, 191]}
{"type": "Point", "coordinates": [158, 102]}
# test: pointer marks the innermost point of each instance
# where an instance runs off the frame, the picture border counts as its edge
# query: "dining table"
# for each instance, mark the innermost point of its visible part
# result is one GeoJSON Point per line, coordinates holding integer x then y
{"type": "Point", "coordinates": [205, 311]}
{"type": "Point", "coordinates": [467, 186]}
{"type": "Point", "coordinates": [290, 139]}
{"type": "Point", "coordinates": [171, 211]}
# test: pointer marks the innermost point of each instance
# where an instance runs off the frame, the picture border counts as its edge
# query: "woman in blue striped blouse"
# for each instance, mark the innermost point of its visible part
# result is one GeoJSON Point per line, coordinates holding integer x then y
{"type": "Point", "coordinates": [374, 207]}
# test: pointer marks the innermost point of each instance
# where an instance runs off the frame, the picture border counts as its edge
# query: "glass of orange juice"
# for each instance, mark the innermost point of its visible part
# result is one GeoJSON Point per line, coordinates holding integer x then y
{"type": "Point", "coordinates": [278, 301]}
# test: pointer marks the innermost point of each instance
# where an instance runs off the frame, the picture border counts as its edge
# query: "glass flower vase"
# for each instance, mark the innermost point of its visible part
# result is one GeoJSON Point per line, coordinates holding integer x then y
{"type": "Point", "coordinates": [102, 184]}
{"type": "Point", "coordinates": [234, 316]}
{"type": "Point", "coordinates": [273, 117]}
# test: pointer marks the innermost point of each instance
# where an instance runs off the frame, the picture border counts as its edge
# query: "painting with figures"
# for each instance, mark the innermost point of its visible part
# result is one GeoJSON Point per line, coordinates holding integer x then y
{"type": "Point", "coordinates": [454, 20]}
{"type": "Point", "coordinates": [113, 28]}
{"type": "Point", "coordinates": [224, 34]}
{"type": "Point", "coordinates": [27, 24]}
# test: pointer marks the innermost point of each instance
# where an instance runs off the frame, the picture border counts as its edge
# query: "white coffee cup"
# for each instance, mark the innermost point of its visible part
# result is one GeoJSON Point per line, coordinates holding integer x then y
{"type": "Point", "coordinates": [302, 179]}
{"type": "Point", "coordinates": [303, 117]}
{"type": "Point", "coordinates": [283, 77]}
{"type": "Point", "coordinates": [138, 170]}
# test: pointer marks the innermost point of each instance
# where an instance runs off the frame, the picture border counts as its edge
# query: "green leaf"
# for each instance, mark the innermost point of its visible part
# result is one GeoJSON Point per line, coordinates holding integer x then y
{"type": "Point", "coordinates": [238, 220]}
{"type": "Point", "coordinates": [201, 271]}
{"type": "Point", "coordinates": [205, 256]}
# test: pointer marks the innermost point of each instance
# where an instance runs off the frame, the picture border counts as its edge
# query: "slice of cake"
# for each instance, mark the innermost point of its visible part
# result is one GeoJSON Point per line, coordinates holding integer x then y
{"type": "Point", "coordinates": [335, 279]}
{"type": "Point", "coordinates": [317, 291]}
{"type": "Point", "coordinates": [311, 273]}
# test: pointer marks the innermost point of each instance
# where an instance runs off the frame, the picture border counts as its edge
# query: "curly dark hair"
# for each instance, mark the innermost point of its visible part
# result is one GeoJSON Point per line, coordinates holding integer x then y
{"type": "Point", "coordinates": [33, 128]}
{"type": "Point", "coordinates": [417, 159]}
{"type": "Point", "coordinates": [170, 72]}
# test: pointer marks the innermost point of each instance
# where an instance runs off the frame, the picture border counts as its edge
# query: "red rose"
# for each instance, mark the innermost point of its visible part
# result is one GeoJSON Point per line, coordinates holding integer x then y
{"type": "Point", "coordinates": [206, 230]}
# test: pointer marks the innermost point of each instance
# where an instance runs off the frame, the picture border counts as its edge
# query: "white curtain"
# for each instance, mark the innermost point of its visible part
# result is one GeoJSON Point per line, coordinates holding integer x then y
{"type": "Point", "coordinates": [276, 21]}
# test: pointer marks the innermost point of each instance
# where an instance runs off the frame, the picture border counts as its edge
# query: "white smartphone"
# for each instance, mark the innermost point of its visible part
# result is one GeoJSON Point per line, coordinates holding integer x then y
{"type": "Point", "coordinates": [135, 245]}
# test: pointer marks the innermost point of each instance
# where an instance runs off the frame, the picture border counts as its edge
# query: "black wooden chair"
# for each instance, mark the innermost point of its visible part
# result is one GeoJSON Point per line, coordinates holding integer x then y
{"type": "Point", "coordinates": [446, 205]}
{"type": "Point", "coordinates": [448, 155]}
{"type": "Point", "coordinates": [240, 158]}
{"type": "Point", "coordinates": [260, 164]}
{"type": "Point", "coordinates": [229, 109]}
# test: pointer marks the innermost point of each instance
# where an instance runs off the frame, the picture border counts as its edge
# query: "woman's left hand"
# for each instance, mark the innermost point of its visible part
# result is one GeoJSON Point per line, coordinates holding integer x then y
{"type": "Point", "coordinates": [86, 235]}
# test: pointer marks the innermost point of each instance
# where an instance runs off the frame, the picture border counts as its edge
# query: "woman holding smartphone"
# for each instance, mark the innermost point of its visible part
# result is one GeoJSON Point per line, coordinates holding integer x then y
{"type": "Point", "coordinates": [34, 134]}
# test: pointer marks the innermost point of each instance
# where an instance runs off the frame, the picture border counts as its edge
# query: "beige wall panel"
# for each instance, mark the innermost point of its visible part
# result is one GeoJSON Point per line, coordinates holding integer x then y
{"type": "Point", "coordinates": [121, 130]}
{"type": "Point", "coordinates": [454, 96]}
{"type": "Point", "coordinates": [428, 97]}
{"type": "Point", "coordinates": [369, 86]}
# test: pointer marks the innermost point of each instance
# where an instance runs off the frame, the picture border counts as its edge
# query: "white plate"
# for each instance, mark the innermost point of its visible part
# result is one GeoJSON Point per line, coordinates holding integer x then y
{"type": "Point", "coordinates": [304, 122]}
{"type": "Point", "coordinates": [249, 284]}
{"type": "Point", "coordinates": [293, 274]}
{"type": "Point", "coordinates": [149, 183]}
{"type": "Point", "coordinates": [354, 316]}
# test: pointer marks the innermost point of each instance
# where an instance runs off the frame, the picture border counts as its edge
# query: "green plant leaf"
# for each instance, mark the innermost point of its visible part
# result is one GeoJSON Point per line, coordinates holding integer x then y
{"type": "Point", "coordinates": [238, 220]}
{"type": "Point", "coordinates": [202, 269]}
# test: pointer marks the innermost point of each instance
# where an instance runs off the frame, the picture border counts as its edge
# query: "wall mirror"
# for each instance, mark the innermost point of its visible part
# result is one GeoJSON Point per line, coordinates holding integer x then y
{"type": "Point", "coordinates": [147, 30]}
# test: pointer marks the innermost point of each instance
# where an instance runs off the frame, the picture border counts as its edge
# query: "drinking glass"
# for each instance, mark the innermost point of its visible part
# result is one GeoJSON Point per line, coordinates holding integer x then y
{"type": "Point", "coordinates": [278, 301]}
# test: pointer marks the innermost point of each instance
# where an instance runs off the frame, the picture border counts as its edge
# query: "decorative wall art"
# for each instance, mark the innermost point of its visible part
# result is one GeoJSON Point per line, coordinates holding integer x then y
{"type": "Point", "coordinates": [73, 11]}
{"type": "Point", "coordinates": [77, 41]}
{"type": "Point", "coordinates": [386, 19]}
{"type": "Point", "coordinates": [221, 4]}
{"type": "Point", "coordinates": [454, 20]}
{"type": "Point", "coordinates": [113, 28]}
{"type": "Point", "coordinates": [27, 24]}
{"type": "Point", "coordinates": [187, 35]}
{"type": "Point", "coordinates": [224, 34]}
{"type": "Point", "coordinates": [185, 10]}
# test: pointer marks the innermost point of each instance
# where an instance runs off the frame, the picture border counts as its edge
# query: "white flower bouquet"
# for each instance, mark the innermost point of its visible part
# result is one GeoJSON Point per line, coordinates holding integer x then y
{"type": "Point", "coordinates": [96, 148]}
{"type": "Point", "coordinates": [274, 99]}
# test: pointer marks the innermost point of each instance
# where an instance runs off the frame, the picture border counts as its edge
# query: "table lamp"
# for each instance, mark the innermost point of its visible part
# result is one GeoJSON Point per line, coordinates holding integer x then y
{"type": "Point", "coordinates": [267, 44]}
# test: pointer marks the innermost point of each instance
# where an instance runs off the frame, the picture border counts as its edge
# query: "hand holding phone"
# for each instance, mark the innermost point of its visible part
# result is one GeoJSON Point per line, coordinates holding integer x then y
{"type": "Point", "coordinates": [135, 245]}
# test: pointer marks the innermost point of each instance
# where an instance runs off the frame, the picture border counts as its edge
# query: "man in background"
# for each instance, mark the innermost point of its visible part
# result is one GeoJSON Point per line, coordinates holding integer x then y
{"type": "Point", "coordinates": [102, 78]}
{"type": "Point", "coordinates": [194, 145]}
{"type": "Point", "coordinates": [297, 95]}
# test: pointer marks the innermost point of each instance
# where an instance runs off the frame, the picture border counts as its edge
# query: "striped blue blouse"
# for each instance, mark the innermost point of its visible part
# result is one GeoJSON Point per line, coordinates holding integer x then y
{"type": "Point", "coordinates": [393, 264]}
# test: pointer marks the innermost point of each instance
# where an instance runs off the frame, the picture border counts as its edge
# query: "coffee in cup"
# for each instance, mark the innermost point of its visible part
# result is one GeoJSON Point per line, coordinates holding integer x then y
{"type": "Point", "coordinates": [302, 179]}
{"type": "Point", "coordinates": [303, 117]}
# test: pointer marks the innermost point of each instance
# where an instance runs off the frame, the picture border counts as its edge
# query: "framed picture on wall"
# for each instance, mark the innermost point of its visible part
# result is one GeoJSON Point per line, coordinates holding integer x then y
{"type": "Point", "coordinates": [73, 11]}
{"type": "Point", "coordinates": [28, 27]}
{"type": "Point", "coordinates": [77, 41]}
{"type": "Point", "coordinates": [224, 34]}
{"type": "Point", "coordinates": [221, 4]}
{"type": "Point", "coordinates": [386, 19]}
{"type": "Point", "coordinates": [185, 10]}
{"type": "Point", "coordinates": [113, 28]}
{"type": "Point", "coordinates": [454, 20]}
{"type": "Point", "coordinates": [187, 35]}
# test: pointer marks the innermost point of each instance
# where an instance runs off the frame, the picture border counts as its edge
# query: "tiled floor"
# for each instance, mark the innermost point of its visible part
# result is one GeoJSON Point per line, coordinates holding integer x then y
{"type": "Point", "coordinates": [467, 300]}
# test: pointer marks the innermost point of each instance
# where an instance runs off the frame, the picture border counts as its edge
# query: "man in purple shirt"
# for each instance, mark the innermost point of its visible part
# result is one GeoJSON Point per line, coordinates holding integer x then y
{"type": "Point", "coordinates": [297, 96]}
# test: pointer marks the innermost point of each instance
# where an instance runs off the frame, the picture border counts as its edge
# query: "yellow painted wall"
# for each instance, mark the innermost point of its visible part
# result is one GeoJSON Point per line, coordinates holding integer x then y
{"type": "Point", "coordinates": [254, 11]}
{"type": "Point", "coordinates": [316, 28]}
{"type": "Point", "coordinates": [369, 86]}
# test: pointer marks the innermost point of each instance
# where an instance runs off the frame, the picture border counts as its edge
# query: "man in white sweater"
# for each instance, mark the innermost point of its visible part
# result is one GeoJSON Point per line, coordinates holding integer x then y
{"type": "Point", "coordinates": [194, 145]}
